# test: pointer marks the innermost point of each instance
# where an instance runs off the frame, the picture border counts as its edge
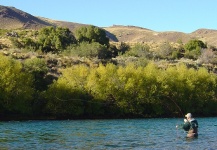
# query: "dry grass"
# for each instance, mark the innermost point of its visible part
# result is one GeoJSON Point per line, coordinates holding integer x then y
{"type": "Point", "coordinates": [5, 41]}
{"type": "Point", "coordinates": [131, 34]}
{"type": "Point", "coordinates": [9, 23]}
{"type": "Point", "coordinates": [207, 35]}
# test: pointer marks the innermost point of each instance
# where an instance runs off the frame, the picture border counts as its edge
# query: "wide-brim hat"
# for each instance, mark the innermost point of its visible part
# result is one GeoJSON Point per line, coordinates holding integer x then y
{"type": "Point", "coordinates": [188, 115]}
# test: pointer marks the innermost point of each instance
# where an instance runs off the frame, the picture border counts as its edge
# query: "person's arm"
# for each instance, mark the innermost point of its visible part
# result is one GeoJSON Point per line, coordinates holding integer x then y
{"type": "Point", "coordinates": [186, 126]}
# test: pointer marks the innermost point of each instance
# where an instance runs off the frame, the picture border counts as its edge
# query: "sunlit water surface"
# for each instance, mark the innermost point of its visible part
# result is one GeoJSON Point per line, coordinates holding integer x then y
{"type": "Point", "coordinates": [106, 134]}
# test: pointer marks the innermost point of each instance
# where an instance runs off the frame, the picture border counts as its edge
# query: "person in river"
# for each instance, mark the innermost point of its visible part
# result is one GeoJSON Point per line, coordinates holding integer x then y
{"type": "Point", "coordinates": [190, 125]}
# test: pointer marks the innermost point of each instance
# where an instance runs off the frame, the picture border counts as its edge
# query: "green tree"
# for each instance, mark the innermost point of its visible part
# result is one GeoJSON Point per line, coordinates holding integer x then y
{"type": "Point", "coordinates": [195, 44]}
{"type": "Point", "coordinates": [55, 39]}
{"type": "Point", "coordinates": [38, 68]}
{"type": "Point", "coordinates": [16, 90]}
{"type": "Point", "coordinates": [193, 48]}
{"type": "Point", "coordinates": [68, 95]}
{"type": "Point", "coordinates": [91, 34]}
{"type": "Point", "coordinates": [109, 91]}
{"type": "Point", "coordinates": [104, 86]}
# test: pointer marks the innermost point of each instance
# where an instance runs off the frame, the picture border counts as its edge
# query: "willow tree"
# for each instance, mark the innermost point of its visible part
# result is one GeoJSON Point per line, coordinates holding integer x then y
{"type": "Point", "coordinates": [68, 95]}
{"type": "Point", "coordinates": [16, 87]}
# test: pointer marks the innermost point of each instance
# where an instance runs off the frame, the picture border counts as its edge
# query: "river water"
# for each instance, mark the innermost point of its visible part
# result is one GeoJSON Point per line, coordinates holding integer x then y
{"type": "Point", "coordinates": [106, 134]}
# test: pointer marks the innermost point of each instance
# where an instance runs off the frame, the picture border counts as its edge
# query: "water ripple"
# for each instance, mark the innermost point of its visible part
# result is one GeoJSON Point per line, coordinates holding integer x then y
{"type": "Point", "coordinates": [106, 134]}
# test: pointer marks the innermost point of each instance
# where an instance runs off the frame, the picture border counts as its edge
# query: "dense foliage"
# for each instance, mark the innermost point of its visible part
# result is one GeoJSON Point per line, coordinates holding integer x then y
{"type": "Point", "coordinates": [54, 39]}
{"type": "Point", "coordinates": [106, 80]}
{"type": "Point", "coordinates": [106, 91]}
{"type": "Point", "coordinates": [16, 91]}
{"type": "Point", "coordinates": [129, 91]}
{"type": "Point", "coordinates": [91, 34]}
{"type": "Point", "coordinates": [194, 48]}
{"type": "Point", "coordinates": [89, 50]}
{"type": "Point", "coordinates": [90, 41]}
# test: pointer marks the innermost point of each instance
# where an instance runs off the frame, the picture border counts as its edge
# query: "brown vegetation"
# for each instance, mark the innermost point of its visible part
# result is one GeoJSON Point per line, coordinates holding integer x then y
{"type": "Point", "coordinates": [12, 18]}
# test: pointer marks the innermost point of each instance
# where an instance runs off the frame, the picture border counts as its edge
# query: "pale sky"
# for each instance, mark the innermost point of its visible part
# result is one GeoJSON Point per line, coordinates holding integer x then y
{"type": "Point", "coordinates": [158, 15]}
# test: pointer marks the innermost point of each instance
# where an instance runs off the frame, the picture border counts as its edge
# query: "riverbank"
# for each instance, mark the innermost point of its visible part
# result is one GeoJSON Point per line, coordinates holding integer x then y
{"type": "Point", "coordinates": [47, 118]}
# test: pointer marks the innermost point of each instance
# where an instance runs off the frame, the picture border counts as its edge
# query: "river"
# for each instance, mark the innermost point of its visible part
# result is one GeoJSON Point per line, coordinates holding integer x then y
{"type": "Point", "coordinates": [106, 134]}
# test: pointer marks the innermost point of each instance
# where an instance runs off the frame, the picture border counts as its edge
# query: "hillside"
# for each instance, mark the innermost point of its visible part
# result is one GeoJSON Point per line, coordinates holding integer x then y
{"type": "Point", "coordinates": [12, 18]}
{"type": "Point", "coordinates": [138, 34]}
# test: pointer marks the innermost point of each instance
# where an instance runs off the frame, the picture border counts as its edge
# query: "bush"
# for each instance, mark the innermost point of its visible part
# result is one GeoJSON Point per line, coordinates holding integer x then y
{"type": "Point", "coordinates": [193, 48]}
{"type": "Point", "coordinates": [53, 39]}
{"type": "Point", "coordinates": [89, 50]}
{"type": "Point", "coordinates": [166, 51]}
{"type": "Point", "coordinates": [123, 48]}
{"type": "Point", "coordinates": [91, 34]}
{"type": "Point", "coordinates": [207, 56]}
{"type": "Point", "coordinates": [139, 50]}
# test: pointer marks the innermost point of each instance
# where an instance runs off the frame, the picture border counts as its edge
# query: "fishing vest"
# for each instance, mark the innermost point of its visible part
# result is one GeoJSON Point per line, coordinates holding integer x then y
{"type": "Point", "coordinates": [191, 126]}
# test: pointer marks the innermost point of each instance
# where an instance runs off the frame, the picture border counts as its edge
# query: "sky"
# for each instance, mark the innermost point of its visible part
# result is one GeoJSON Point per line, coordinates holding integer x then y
{"type": "Point", "coordinates": [158, 15]}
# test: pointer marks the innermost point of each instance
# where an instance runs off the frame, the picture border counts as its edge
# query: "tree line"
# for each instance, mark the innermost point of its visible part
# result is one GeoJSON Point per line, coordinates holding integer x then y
{"type": "Point", "coordinates": [58, 40]}
{"type": "Point", "coordinates": [106, 91]}
{"type": "Point", "coordinates": [92, 42]}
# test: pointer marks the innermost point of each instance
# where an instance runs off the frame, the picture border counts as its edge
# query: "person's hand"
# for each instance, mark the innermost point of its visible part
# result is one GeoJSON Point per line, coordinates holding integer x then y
{"type": "Point", "coordinates": [185, 120]}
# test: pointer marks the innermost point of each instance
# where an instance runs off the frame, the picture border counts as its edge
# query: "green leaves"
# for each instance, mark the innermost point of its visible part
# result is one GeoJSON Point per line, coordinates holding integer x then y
{"type": "Point", "coordinates": [194, 45]}
{"type": "Point", "coordinates": [131, 90]}
{"type": "Point", "coordinates": [139, 50]}
{"type": "Point", "coordinates": [193, 48]}
{"type": "Point", "coordinates": [107, 90]}
{"type": "Point", "coordinates": [89, 50]}
{"type": "Point", "coordinates": [55, 39]}
{"type": "Point", "coordinates": [15, 86]}
{"type": "Point", "coordinates": [91, 34]}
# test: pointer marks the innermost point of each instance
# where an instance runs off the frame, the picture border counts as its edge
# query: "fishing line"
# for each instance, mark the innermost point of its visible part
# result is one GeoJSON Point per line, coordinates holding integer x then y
{"type": "Point", "coordinates": [77, 99]}
{"type": "Point", "coordinates": [106, 103]}
{"type": "Point", "coordinates": [168, 97]}
{"type": "Point", "coordinates": [177, 106]}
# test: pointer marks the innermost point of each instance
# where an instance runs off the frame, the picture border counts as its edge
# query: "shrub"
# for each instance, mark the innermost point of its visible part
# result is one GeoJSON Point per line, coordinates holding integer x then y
{"type": "Point", "coordinates": [139, 50]}
{"type": "Point", "coordinates": [193, 48]}
{"type": "Point", "coordinates": [91, 34]}
{"type": "Point", "coordinates": [90, 50]}
{"type": "Point", "coordinates": [166, 51]}
{"type": "Point", "coordinates": [55, 39]}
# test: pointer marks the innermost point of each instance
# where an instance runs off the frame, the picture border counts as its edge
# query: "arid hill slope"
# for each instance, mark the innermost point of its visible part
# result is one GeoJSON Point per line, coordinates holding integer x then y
{"type": "Point", "coordinates": [137, 34]}
{"type": "Point", "coordinates": [12, 18]}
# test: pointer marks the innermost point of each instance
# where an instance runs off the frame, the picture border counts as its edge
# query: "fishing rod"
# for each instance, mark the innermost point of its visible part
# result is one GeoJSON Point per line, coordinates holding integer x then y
{"type": "Point", "coordinates": [177, 106]}
{"type": "Point", "coordinates": [169, 97]}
